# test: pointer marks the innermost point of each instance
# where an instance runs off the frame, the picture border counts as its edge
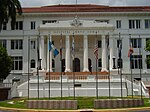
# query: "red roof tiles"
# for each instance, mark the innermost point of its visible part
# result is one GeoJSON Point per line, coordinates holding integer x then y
{"type": "Point", "coordinates": [86, 8]}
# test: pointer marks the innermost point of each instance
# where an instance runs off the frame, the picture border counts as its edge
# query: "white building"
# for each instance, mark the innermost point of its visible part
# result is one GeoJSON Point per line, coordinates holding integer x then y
{"type": "Point", "coordinates": [87, 24]}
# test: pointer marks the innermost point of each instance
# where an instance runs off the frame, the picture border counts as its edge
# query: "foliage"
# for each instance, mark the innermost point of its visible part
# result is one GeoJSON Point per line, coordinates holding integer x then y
{"type": "Point", "coordinates": [5, 63]}
{"type": "Point", "coordinates": [147, 48]}
{"type": "Point", "coordinates": [9, 9]}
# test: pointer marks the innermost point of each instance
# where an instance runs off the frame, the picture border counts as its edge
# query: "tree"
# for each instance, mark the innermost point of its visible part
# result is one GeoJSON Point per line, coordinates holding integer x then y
{"type": "Point", "coordinates": [5, 63]}
{"type": "Point", "coordinates": [147, 48]}
{"type": "Point", "coordinates": [9, 9]}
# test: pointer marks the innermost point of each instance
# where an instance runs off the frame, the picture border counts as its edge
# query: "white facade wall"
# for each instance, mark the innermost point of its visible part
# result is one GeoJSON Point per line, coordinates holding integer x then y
{"type": "Point", "coordinates": [27, 33]}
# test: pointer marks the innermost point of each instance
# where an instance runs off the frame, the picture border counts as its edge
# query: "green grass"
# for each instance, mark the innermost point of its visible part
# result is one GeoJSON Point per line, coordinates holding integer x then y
{"type": "Point", "coordinates": [83, 102]}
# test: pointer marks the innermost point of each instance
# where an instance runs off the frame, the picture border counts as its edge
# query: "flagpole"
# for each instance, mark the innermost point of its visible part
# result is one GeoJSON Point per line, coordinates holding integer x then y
{"type": "Point", "coordinates": [108, 66]}
{"type": "Point", "coordinates": [96, 58]}
{"type": "Point", "coordinates": [49, 66]}
{"type": "Point", "coordinates": [131, 69]}
{"type": "Point", "coordinates": [120, 66]}
{"type": "Point", "coordinates": [73, 67]}
{"type": "Point", "coordinates": [140, 46]}
{"type": "Point", "coordinates": [28, 67]}
{"type": "Point", "coordinates": [61, 62]}
{"type": "Point", "coordinates": [38, 65]}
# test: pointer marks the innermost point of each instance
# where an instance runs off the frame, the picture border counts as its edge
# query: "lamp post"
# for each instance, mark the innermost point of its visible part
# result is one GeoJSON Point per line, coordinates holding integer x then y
{"type": "Point", "coordinates": [114, 58]}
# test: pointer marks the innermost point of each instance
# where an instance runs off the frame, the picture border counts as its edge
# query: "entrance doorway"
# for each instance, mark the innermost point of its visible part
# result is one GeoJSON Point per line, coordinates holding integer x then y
{"type": "Point", "coordinates": [63, 65]}
{"type": "Point", "coordinates": [76, 65]}
{"type": "Point", "coordinates": [90, 65]}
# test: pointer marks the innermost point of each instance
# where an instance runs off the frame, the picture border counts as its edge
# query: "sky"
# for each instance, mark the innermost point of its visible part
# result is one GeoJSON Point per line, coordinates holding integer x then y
{"type": "Point", "coordinates": [35, 3]}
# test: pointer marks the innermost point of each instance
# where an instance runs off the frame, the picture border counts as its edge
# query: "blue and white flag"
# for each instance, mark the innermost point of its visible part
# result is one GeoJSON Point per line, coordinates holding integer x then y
{"type": "Point", "coordinates": [52, 47]}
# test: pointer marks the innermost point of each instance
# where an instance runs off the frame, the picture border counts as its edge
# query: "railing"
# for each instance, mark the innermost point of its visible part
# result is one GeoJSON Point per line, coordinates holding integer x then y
{"type": "Point", "coordinates": [77, 77]}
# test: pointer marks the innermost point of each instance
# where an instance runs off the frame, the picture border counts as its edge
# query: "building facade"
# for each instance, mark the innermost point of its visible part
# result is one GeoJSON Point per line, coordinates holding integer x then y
{"type": "Point", "coordinates": [76, 29]}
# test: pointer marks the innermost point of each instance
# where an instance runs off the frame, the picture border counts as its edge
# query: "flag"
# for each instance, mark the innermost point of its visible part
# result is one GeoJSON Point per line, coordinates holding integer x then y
{"type": "Point", "coordinates": [130, 52]}
{"type": "Point", "coordinates": [55, 52]}
{"type": "Point", "coordinates": [52, 47]}
{"type": "Point", "coordinates": [73, 46]}
{"type": "Point", "coordinates": [96, 51]}
{"type": "Point", "coordinates": [119, 49]}
{"type": "Point", "coordinates": [61, 48]}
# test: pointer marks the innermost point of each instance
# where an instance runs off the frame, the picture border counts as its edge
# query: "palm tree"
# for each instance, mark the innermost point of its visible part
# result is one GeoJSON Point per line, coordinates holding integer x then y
{"type": "Point", "coordinates": [9, 9]}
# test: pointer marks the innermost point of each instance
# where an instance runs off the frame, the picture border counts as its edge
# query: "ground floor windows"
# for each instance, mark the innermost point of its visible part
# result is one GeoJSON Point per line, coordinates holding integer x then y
{"type": "Point", "coordinates": [136, 61]}
{"type": "Point", "coordinates": [17, 63]}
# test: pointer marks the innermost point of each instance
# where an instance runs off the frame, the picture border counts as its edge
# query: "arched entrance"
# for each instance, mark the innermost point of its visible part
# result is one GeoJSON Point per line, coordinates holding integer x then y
{"type": "Point", "coordinates": [63, 65]}
{"type": "Point", "coordinates": [90, 65]}
{"type": "Point", "coordinates": [76, 65]}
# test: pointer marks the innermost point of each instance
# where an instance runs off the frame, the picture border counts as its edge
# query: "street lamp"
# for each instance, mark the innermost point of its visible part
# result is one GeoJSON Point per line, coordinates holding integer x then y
{"type": "Point", "coordinates": [114, 58]}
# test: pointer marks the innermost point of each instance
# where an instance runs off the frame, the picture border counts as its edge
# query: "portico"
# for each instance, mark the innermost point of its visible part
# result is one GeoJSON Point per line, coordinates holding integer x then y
{"type": "Point", "coordinates": [86, 34]}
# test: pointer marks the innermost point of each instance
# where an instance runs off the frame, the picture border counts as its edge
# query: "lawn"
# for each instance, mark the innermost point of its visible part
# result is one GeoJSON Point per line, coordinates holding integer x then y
{"type": "Point", "coordinates": [83, 102]}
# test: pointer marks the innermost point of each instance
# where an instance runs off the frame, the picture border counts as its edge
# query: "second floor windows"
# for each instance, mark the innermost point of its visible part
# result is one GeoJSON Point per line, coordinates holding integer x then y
{"type": "Point", "coordinates": [16, 44]}
{"type": "Point", "coordinates": [147, 23]}
{"type": "Point", "coordinates": [134, 24]}
{"type": "Point", "coordinates": [118, 24]}
{"type": "Point", "coordinates": [19, 25]}
{"type": "Point", "coordinates": [32, 25]}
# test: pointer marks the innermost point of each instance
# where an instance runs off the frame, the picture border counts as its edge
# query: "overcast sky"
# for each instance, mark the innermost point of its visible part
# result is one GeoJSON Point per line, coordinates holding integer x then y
{"type": "Point", "coordinates": [29, 3]}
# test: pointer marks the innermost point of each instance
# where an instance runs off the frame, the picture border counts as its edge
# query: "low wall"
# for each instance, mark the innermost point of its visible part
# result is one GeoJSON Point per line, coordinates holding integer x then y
{"type": "Point", "coordinates": [118, 103]}
{"type": "Point", "coordinates": [52, 104]}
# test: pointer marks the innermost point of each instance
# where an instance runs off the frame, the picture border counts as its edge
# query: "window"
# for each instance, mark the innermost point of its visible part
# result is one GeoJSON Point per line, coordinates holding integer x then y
{"type": "Point", "coordinates": [4, 26]}
{"type": "Point", "coordinates": [101, 21]}
{"type": "Point", "coordinates": [148, 64]}
{"type": "Point", "coordinates": [19, 25]}
{"type": "Point", "coordinates": [134, 24]}
{"type": "Point", "coordinates": [32, 25]}
{"type": "Point", "coordinates": [16, 44]}
{"type": "Point", "coordinates": [136, 61]}
{"type": "Point", "coordinates": [33, 44]}
{"type": "Point", "coordinates": [32, 63]}
{"type": "Point", "coordinates": [17, 63]}
{"type": "Point", "coordinates": [53, 64]}
{"type": "Point", "coordinates": [136, 42]}
{"type": "Point", "coordinates": [100, 63]}
{"type": "Point", "coordinates": [147, 23]}
{"type": "Point", "coordinates": [99, 43]}
{"type": "Point", "coordinates": [118, 24]}
{"type": "Point", "coordinates": [49, 21]}
{"type": "Point", "coordinates": [3, 43]}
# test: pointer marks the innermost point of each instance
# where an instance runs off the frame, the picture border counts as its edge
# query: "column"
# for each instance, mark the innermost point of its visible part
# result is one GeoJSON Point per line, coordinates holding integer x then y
{"type": "Point", "coordinates": [67, 67]}
{"type": "Point", "coordinates": [41, 45]}
{"type": "Point", "coordinates": [49, 55]}
{"type": "Point", "coordinates": [85, 55]}
{"type": "Point", "coordinates": [104, 57]}
{"type": "Point", "coordinates": [111, 47]}
{"type": "Point", "coordinates": [25, 54]}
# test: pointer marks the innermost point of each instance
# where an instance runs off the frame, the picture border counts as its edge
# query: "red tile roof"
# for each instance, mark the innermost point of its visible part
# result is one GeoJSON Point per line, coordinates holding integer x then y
{"type": "Point", "coordinates": [86, 8]}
